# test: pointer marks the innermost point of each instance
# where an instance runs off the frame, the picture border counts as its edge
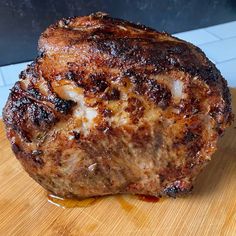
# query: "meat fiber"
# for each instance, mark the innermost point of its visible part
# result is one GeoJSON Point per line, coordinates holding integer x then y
{"type": "Point", "coordinates": [113, 107]}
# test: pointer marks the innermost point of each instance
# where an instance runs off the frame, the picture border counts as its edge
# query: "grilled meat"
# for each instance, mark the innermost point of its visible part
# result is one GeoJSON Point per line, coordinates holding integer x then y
{"type": "Point", "coordinates": [113, 107]}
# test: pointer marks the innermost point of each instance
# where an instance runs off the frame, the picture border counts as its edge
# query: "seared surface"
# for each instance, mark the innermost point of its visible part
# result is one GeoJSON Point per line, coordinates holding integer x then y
{"type": "Point", "coordinates": [112, 107]}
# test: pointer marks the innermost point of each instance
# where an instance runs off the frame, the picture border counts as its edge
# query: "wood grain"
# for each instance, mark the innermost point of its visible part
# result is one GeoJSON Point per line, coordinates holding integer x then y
{"type": "Point", "coordinates": [209, 210]}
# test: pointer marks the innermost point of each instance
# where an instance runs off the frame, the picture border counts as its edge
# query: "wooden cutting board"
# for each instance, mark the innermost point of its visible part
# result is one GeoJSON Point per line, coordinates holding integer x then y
{"type": "Point", "coordinates": [209, 210]}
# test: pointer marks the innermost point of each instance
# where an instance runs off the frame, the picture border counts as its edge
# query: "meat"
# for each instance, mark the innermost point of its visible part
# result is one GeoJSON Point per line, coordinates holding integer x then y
{"type": "Point", "coordinates": [113, 107]}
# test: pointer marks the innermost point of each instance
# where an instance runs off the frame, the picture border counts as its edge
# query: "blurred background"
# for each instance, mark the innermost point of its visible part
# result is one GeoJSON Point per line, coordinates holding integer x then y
{"type": "Point", "coordinates": [22, 21]}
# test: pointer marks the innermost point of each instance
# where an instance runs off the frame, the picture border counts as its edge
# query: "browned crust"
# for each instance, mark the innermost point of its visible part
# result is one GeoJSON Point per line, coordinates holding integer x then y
{"type": "Point", "coordinates": [140, 46]}
{"type": "Point", "coordinates": [108, 58]}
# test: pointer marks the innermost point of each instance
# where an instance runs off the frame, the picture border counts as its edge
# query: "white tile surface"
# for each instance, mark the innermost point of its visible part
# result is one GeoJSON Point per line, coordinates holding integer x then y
{"type": "Point", "coordinates": [228, 70]}
{"type": "Point", "coordinates": [1, 78]}
{"type": "Point", "coordinates": [227, 30]}
{"type": "Point", "coordinates": [4, 92]}
{"type": "Point", "coordinates": [11, 73]}
{"type": "Point", "coordinates": [222, 50]}
{"type": "Point", "coordinates": [197, 37]}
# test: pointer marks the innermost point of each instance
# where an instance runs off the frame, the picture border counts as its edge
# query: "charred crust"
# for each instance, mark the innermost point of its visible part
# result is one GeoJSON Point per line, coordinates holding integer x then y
{"type": "Point", "coordinates": [70, 75]}
{"type": "Point", "coordinates": [190, 106]}
{"type": "Point", "coordinates": [100, 15]}
{"type": "Point", "coordinates": [38, 161]}
{"type": "Point", "coordinates": [97, 83]}
{"type": "Point", "coordinates": [61, 105]}
{"type": "Point", "coordinates": [155, 92]}
{"type": "Point", "coordinates": [37, 152]}
{"type": "Point", "coordinates": [32, 159]}
{"type": "Point", "coordinates": [65, 22]}
{"type": "Point", "coordinates": [142, 50]}
{"type": "Point", "coordinates": [194, 149]}
{"type": "Point", "coordinates": [24, 114]}
{"type": "Point", "coordinates": [228, 114]}
{"type": "Point", "coordinates": [29, 72]}
{"type": "Point", "coordinates": [178, 188]}
{"type": "Point", "coordinates": [106, 112]}
{"type": "Point", "coordinates": [173, 191]}
{"type": "Point", "coordinates": [93, 84]}
{"type": "Point", "coordinates": [34, 93]}
{"type": "Point", "coordinates": [40, 116]}
{"type": "Point", "coordinates": [76, 135]}
{"type": "Point", "coordinates": [159, 94]}
{"type": "Point", "coordinates": [189, 136]}
{"type": "Point", "coordinates": [111, 94]}
{"type": "Point", "coordinates": [16, 148]}
{"type": "Point", "coordinates": [108, 58]}
{"type": "Point", "coordinates": [220, 131]}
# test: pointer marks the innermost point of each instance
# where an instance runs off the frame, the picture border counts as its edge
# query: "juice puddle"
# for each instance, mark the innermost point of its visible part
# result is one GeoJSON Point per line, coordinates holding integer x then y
{"type": "Point", "coordinates": [135, 213]}
{"type": "Point", "coordinates": [71, 203]}
{"type": "Point", "coordinates": [146, 198]}
{"type": "Point", "coordinates": [124, 203]}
